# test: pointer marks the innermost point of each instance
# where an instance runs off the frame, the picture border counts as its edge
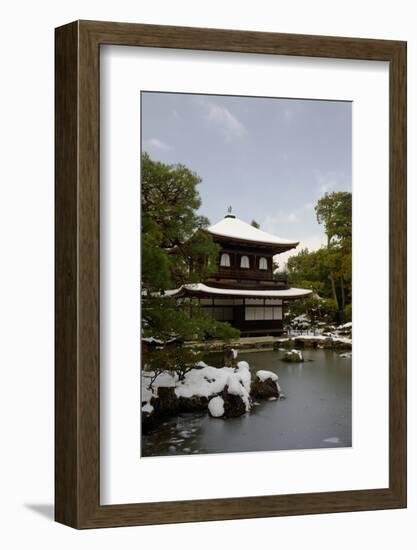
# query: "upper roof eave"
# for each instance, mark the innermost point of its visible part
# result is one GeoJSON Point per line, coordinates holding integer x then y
{"type": "Point", "coordinates": [273, 246]}
{"type": "Point", "coordinates": [236, 230]}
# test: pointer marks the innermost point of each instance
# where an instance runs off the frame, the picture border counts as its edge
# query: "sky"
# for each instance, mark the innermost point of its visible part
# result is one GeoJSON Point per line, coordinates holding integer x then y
{"type": "Point", "coordinates": [271, 159]}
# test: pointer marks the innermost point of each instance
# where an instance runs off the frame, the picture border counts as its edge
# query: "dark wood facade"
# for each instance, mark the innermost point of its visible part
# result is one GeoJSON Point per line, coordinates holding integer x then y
{"type": "Point", "coordinates": [250, 278]}
{"type": "Point", "coordinates": [246, 265]}
{"type": "Point", "coordinates": [252, 316]}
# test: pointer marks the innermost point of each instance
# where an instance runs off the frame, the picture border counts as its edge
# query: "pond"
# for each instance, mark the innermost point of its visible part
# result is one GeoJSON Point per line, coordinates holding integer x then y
{"type": "Point", "coordinates": [316, 412]}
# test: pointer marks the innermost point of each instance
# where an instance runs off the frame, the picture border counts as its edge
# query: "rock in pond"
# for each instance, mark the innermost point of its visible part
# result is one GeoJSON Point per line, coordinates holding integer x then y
{"type": "Point", "coordinates": [167, 403]}
{"type": "Point", "coordinates": [265, 385]}
{"type": "Point", "coordinates": [233, 404]}
{"type": "Point", "coordinates": [193, 404]}
{"type": "Point", "coordinates": [226, 405]}
{"type": "Point", "coordinates": [293, 356]}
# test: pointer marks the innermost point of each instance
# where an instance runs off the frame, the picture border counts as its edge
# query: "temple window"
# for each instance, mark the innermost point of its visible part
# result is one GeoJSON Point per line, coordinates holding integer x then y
{"type": "Point", "coordinates": [263, 263]}
{"type": "Point", "coordinates": [261, 313]}
{"type": "Point", "coordinates": [244, 262]}
{"type": "Point", "coordinates": [225, 260]}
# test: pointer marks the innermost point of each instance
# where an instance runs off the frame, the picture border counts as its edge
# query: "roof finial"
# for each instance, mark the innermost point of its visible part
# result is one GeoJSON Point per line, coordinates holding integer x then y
{"type": "Point", "coordinates": [229, 213]}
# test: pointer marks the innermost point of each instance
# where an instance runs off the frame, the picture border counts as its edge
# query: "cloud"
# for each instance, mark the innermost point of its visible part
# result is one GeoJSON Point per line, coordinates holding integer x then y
{"type": "Point", "coordinates": [298, 214]}
{"type": "Point", "coordinates": [156, 143]}
{"type": "Point", "coordinates": [330, 181]}
{"type": "Point", "coordinates": [223, 119]}
{"type": "Point", "coordinates": [276, 224]}
{"type": "Point", "coordinates": [292, 217]}
{"type": "Point", "coordinates": [313, 242]}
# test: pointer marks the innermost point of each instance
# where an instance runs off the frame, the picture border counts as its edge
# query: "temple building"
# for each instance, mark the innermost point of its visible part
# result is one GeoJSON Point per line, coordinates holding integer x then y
{"type": "Point", "coordinates": [243, 291]}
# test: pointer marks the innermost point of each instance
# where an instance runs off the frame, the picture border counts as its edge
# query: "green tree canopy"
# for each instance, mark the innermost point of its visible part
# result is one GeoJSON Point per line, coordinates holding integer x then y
{"type": "Point", "coordinates": [176, 250]}
{"type": "Point", "coordinates": [328, 271]}
{"type": "Point", "coordinates": [334, 211]}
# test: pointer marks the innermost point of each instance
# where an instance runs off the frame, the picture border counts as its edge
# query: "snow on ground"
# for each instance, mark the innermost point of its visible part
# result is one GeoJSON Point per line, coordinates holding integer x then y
{"type": "Point", "coordinates": [343, 340]}
{"type": "Point", "coordinates": [152, 340]}
{"type": "Point", "coordinates": [318, 338]}
{"type": "Point", "coordinates": [216, 407]}
{"type": "Point", "coordinates": [302, 317]}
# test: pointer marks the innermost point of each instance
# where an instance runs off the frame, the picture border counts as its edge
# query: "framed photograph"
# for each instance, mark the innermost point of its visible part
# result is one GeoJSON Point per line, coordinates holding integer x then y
{"type": "Point", "coordinates": [230, 274]}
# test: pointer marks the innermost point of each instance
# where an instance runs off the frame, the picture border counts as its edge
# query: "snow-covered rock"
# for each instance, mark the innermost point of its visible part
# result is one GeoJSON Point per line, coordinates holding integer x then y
{"type": "Point", "coordinates": [235, 403]}
{"type": "Point", "coordinates": [230, 356]}
{"type": "Point", "coordinates": [225, 392]}
{"type": "Point", "coordinates": [167, 403]}
{"type": "Point", "coordinates": [193, 404]}
{"type": "Point", "coordinates": [235, 387]}
{"type": "Point", "coordinates": [216, 407]}
{"type": "Point", "coordinates": [147, 408]}
{"type": "Point", "coordinates": [169, 396]}
{"type": "Point", "coordinates": [265, 375]}
{"type": "Point", "coordinates": [210, 381]}
{"type": "Point", "coordinates": [293, 356]}
{"type": "Point", "coordinates": [265, 385]}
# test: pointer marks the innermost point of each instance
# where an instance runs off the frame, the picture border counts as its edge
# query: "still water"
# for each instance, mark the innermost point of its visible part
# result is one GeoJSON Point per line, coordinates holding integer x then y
{"type": "Point", "coordinates": [316, 412]}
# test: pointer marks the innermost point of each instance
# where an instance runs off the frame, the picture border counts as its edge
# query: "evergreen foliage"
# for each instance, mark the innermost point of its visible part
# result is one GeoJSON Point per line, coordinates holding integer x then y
{"type": "Point", "coordinates": [328, 271]}
{"type": "Point", "coordinates": [175, 251]}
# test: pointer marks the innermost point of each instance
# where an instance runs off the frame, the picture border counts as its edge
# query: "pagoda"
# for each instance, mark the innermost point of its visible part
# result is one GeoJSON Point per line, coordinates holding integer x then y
{"type": "Point", "coordinates": [243, 290]}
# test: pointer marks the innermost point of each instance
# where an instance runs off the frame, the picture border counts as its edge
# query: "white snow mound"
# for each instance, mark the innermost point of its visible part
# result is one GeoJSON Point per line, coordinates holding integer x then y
{"type": "Point", "coordinates": [216, 407]}
{"type": "Point", "coordinates": [266, 375]}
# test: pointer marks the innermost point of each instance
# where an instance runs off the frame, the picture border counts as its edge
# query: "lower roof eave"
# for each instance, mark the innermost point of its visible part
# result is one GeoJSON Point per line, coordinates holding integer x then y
{"type": "Point", "coordinates": [203, 291]}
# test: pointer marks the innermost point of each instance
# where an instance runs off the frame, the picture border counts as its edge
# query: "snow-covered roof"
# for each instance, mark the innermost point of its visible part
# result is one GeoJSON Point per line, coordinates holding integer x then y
{"type": "Point", "coordinates": [236, 228]}
{"type": "Point", "coordinates": [205, 289]}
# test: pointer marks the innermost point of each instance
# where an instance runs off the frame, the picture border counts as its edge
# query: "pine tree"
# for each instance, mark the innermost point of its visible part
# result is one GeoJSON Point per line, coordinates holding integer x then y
{"type": "Point", "coordinates": [176, 250]}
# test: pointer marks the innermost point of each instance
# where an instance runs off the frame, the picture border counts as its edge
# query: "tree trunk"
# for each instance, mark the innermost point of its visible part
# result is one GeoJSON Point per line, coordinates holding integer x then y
{"type": "Point", "coordinates": [334, 290]}
{"type": "Point", "coordinates": [342, 286]}
{"type": "Point", "coordinates": [338, 312]}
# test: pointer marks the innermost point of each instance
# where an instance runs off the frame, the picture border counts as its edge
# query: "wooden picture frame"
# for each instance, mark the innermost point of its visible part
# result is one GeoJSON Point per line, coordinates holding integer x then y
{"type": "Point", "coordinates": [77, 382]}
